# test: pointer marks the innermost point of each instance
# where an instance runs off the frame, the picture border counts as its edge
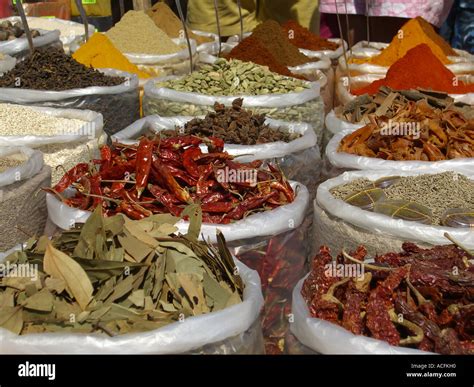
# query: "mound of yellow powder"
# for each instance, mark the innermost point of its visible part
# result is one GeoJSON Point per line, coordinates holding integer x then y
{"type": "Point", "coordinates": [100, 53]}
{"type": "Point", "coordinates": [413, 33]}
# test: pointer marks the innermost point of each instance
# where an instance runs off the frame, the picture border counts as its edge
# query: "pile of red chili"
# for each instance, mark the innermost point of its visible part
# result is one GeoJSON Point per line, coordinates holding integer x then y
{"type": "Point", "coordinates": [420, 298]}
{"type": "Point", "coordinates": [301, 37]}
{"type": "Point", "coordinates": [164, 175]}
{"type": "Point", "coordinates": [419, 68]}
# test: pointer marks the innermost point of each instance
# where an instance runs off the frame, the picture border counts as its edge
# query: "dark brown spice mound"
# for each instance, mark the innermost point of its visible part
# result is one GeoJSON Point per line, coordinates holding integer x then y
{"type": "Point", "coordinates": [234, 125]}
{"type": "Point", "coordinates": [274, 39]}
{"type": "Point", "coordinates": [52, 69]}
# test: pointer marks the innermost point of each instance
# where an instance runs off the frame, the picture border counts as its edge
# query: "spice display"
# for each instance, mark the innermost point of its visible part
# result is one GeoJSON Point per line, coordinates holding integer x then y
{"type": "Point", "coordinates": [410, 72]}
{"type": "Point", "coordinates": [417, 132]}
{"type": "Point", "coordinates": [136, 33]}
{"type": "Point", "coordinates": [410, 299]}
{"type": "Point", "coordinates": [12, 31]}
{"type": "Point", "coordinates": [437, 192]}
{"type": "Point", "coordinates": [234, 125]}
{"type": "Point", "coordinates": [270, 34]}
{"type": "Point", "coordinates": [52, 69]}
{"type": "Point", "coordinates": [252, 50]}
{"type": "Point", "coordinates": [8, 163]}
{"type": "Point", "coordinates": [389, 103]}
{"type": "Point", "coordinates": [99, 53]}
{"type": "Point", "coordinates": [17, 120]}
{"type": "Point", "coordinates": [118, 276]}
{"type": "Point", "coordinates": [235, 77]}
{"type": "Point", "coordinates": [413, 33]}
{"type": "Point", "coordinates": [166, 20]}
{"type": "Point", "coordinates": [163, 175]}
{"type": "Point", "coordinates": [301, 37]}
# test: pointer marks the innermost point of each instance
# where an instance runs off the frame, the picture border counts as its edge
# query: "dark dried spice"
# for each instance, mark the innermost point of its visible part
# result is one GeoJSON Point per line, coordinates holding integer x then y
{"type": "Point", "coordinates": [421, 298]}
{"type": "Point", "coordinates": [51, 69]}
{"type": "Point", "coordinates": [234, 125]}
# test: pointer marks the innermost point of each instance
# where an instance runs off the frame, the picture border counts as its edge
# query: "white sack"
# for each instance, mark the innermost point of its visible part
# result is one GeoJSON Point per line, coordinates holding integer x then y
{"type": "Point", "coordinates": [383, 224]}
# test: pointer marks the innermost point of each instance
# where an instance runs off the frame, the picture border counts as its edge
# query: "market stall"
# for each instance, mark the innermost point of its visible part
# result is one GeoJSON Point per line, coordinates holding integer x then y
{"type": "Point", "coordinates": [273, 192]}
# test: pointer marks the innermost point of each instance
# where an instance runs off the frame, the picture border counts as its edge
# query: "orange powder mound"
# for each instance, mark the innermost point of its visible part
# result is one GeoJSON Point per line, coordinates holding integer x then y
{"type": "Point", "coordinates": [418, 68]}
{"type": "Point", "coordinates": [413, 33]}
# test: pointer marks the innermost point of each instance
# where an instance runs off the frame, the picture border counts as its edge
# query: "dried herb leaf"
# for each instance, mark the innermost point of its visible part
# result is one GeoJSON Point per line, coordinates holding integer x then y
{"type": "Point", "coordinates": [59, 265]}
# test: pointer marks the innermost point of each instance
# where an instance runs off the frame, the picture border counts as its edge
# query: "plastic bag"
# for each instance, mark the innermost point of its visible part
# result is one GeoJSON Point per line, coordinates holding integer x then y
{"type": "Point", "coordinates": [305, 106]}
{"type": "Point", "coordinates": [351, 161]}
{"type": "Point", "coordinates": [328, 338]}
{"type": "Point", "coordinates": [68, 148]}
{"type": "Point", "coordinates": [381, 224]}
{"type": "Point", "coordinates": [169, 64]}
{"type": "Point", "coordinates": [334, 125]}
{"type": "Point", "coordinates": [299, 159]}
{"type": "Point", "coordinates": [32, 165]}
{"type": "Point", "coordinates": [71, 42]}
{"type": "Point", "coordinates": [6, 63]}
{"type": "Point", "coordinates": [119, 105]}
{"type": "Point", "coordinates": [22, 202]}
{"type": "Point", "coordinates": [343, 94]}
{"type": "Point", "coordinates": [262, 224]}
{"type": "Point", "coordinates": [19, 47]}
{"type": "Point", "coordinates": [217, 332]}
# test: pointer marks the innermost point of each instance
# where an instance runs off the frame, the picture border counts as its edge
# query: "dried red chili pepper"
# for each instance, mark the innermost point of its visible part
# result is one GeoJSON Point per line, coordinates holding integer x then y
{"type": "Point", "coordinates": [72, 176]}
{"type": "Point", "coordinates": [189, 156]}
{"type": "Point", "coordinates": [165, 176]}
{"type": "Point", "coordinates": [143, 164]}
{"type": "Point", "coordinates": [247, 205]}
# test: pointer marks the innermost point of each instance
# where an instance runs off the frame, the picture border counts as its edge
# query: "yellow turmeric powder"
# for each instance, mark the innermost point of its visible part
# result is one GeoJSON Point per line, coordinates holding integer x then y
{"type": "Point", "coordinates": [413, 33]}
{"type": "Point", "coordinates": [100, 53]}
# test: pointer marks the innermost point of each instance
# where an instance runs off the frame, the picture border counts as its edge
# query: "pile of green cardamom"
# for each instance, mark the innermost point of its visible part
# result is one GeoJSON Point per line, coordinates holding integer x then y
{"type": "Point", "coordinates": [115, 276]}
{"type": "Point", "coordinates": [235, 77]}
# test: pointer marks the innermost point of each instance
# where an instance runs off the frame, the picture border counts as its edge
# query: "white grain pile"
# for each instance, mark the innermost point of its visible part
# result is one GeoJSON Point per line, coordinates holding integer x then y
{"type": "Point", "coordinates": [16, 120]}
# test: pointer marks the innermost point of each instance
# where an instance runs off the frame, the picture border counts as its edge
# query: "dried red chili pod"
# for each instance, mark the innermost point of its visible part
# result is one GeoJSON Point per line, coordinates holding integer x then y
{"type": "Point", "coordinates": [143, 164]}
{"type": "Point", "coordinates": [72, 176]}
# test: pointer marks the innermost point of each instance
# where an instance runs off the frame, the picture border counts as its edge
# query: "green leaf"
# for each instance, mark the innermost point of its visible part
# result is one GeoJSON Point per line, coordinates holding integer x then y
{"type": "Point", "coordinates": [41, 301]}
{"type": "Point", "coordinates": [59, 265]}
{"type": "Point", "coordinates": [11, 318]}
{"type": "Point", "coordinates": [194, 212]}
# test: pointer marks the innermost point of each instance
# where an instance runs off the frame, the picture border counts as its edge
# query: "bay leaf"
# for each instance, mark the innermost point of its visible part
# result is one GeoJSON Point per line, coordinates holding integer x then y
{"type": "Point", "coordinates": [213, 289]}
{"type": "Point", "coordinates": [101, 270]}
{"type": "Point", "coordinates": [122, 288]}
{"type": "Point", "coordinates": [194, 212]}
{"type": "Point", "coordinates": [94, 226]}
{"type": "Point", "coordinates": [114, 224]}
{"type": "Point", "coordinates": [137, 231]}
{"type": "Point", "coordinates": [137, 249]}
{"type": "Point", "coordinates": [41, 301]}
{"type": "Point", "coordinates": [59, 265]}
{"type": "Point", "coordinates": [138, 298]}
{"type": "Point", "coordinates": [55, 284]}
{"type": "Point", "coordinates": [11, 319]}
{"type": "Point", "coordinates": [7, 298]}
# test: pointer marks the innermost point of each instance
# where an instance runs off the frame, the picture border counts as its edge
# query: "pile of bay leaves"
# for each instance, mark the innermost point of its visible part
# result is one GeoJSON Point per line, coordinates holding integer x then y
{"type": "Point", "coordinates": [115, 276]}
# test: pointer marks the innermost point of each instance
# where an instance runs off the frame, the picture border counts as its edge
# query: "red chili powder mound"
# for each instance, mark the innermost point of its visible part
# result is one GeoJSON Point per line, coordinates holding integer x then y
{"type": "Point", "coordinates": [252, 50]}
{"type": "Point", "coordinates": [418, 68]}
